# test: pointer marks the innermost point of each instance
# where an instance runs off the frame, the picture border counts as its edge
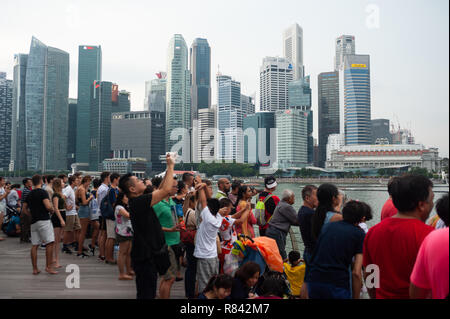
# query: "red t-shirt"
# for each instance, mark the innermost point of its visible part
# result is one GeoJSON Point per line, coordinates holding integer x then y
{"type": "Point", "coordinates": [388, 209]}
{"type": "Point", "coordinates": [393, 245]}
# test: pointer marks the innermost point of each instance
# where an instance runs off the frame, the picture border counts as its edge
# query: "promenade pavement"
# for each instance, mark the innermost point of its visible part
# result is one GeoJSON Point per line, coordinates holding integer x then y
{"type": "Point", "coordinates": [97, 280]}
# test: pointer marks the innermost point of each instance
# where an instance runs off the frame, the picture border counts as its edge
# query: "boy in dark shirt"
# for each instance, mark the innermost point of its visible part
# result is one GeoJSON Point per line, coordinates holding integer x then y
{"type": "Point", "coordinates": [338, 243]}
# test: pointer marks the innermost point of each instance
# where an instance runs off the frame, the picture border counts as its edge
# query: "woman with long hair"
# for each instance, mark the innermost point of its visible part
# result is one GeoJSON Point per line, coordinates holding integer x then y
{"type": "Point", "coordinates": [124, 232]}
{"type": "Point", "coordinates": [58, 217]}
{"type": "Point", "coordinates": [83, 198]}
{"type": "Point", "coordinates": [245, 194]}
{"type": "Point", "coordinates": [328, 198]}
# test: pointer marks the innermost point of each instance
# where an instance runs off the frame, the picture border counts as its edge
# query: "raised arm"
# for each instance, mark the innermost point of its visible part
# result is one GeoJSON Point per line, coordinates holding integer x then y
{"type": "Point", "coordinates": [166, 185]}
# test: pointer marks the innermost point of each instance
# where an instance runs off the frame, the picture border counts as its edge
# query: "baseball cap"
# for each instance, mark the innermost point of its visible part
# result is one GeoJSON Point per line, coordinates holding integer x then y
{"type": "Point", "coordinates": [270, 182]}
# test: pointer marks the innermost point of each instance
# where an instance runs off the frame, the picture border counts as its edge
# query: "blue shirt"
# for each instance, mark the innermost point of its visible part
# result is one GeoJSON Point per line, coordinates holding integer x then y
{"type": "Point", "coordinates": [304, 218]}
{"type": "Point", "coordinates": [338, 243]}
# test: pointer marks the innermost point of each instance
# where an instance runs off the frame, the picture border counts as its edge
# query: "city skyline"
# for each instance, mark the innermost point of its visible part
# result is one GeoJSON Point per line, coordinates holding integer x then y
{"type": "Point", "coordinates": [403, 73]}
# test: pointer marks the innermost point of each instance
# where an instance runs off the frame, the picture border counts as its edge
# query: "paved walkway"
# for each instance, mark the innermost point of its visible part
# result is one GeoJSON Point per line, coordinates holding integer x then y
{"type": "Point", "coordinates": [97, 280]}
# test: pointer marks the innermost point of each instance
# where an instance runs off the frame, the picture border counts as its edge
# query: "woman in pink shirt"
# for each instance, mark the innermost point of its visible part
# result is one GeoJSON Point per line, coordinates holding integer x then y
{"type": "Point", "coordinates": [244, 195]}
{"type": "Point", "coordinates": [430, 276]}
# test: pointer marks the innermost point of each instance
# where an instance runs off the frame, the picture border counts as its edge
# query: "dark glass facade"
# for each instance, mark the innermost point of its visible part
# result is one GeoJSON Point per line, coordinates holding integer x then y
{"type": "Point", "coordinates": [200, 66]}
{"type": "Point", "coordinates": [18, 130]}
{"type": "Point", "coordinates": [257, 121]}
{"type": "Point", "coordinates": [381, 131]}
{"type": "Point", "coordinates": [100, 124]}
{"type": "Point", "coordinates": [89, 70]}
{"type": "Point", "coordinates": [6, 103]}
{"type": "Point", "coordinates": [328, 100]}
{"type": "Point", "coordinates": [72, 133]}
{"type": "Point", "coordinates": [46, 107]}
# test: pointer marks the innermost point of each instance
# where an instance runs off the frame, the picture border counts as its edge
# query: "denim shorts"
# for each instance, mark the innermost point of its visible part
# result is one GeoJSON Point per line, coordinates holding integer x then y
{"type": "Point", "coordinates": [84, 212]}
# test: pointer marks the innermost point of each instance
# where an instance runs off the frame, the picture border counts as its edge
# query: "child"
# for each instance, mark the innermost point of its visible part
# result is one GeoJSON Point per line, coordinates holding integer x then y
{"type": "Point", "coordinates": [218, 287]}
{"type": "Point", "coordinates": [295, 272]}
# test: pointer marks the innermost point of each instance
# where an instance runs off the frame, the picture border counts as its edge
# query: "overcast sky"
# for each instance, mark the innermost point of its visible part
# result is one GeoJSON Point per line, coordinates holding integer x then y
{"type": "Point", "coordinates": [407, 41]}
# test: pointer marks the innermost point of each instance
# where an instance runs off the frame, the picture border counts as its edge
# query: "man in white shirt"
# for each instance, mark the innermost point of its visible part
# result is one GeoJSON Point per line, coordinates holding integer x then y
{"type": "Point", "coordinates": [101, 193]}
{"type": "Point", "coordinates": [206, 238]}
{"type": "Point", "coordinates": [72, 221]}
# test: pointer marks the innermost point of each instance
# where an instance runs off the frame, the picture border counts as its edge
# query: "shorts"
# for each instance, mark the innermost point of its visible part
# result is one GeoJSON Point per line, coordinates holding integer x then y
{"type": "Point", "coordinates": [42, 233]}
{"type": "Point", "coordinates": [123, 239]}
{"type": "Point", "coordinates": [55, 220]}
{"type": "Point", "coordinates": [171, 273]}
{"type": "Point", "coordinates": [94, 215]}
{"type": "Point", "coordinates": [110, 229]}
{"type": "Point", "coordinates": [206, 268]}
{"type": "Point", "coordinates": [84, 212]}
{"type": "Point", "coordinates": [102, 223]}
{"type": "Point", "coordinates": [72, 223]}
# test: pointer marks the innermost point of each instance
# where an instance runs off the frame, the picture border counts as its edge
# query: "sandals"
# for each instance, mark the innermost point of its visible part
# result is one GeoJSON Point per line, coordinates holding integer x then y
{"type": "Point", "coordinates": [82, 255]}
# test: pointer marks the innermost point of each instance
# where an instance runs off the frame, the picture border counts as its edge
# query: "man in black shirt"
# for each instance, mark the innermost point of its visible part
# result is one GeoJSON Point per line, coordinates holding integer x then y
{"type": "Point", "coordinates": [304, 217]}
{"type": "Point", "coordinates": [147, 254]}
{"type": "Point", "coordinates": [37, 205]}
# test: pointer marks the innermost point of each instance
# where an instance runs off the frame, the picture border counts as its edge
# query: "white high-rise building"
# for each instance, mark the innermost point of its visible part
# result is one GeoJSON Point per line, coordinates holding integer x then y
{"type": "Point", "coordinates": [178, 93]}
{"type": "Point", "coordinates": [345, 45]}
{"type": "Point", "coordinates": [229, 119]}
{"type": "Point", "coordinates": [275, 75]}
{"type": "Point", "coordinates": [204, 130]}
{"type": "Point", "coordinates": [293, 49]}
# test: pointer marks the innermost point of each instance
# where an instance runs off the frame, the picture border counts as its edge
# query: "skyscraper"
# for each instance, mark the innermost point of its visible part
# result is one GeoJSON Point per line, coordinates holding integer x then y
{"type": "Point", "coordinates": [178, 101]}
{"type": "Point", "coordinates": [299, 94]}
{"type": "Point", "coordinates": [123, 102]}
{"type": "Point", "coordinates": [100, 124]}
{"type": "Point", "coordinates": [46, 107]}
{"type": "Point", "coordinates": [89, 70]}
{"type": "Point", "coordinates": [200, 66]}
{"type": "Point", "coordinates": [328, 100]}
{"type": "Point", "coordinates": [275, 74]}
{"type": "Point", "coordinates": [157, 93]}
{"type": "Point", "coordinates": [72, 133]}
{"type": "Point", "coordinates": [293, 49]}
{"type": "Point", "coordinates": [381, 132]}
{"type": "Point", "coordinates": [345, 45]}
{"type": "Point", "coordinates": [355, 77]}
{"type": "Point", "coordinates": [292, 142]}
{"type": "Point", "coordinates": [229, 117]}
{"type": "Point", "coordinates": [260, 148]}
{"type": "Point", "coordinates": [18, 130]}
{"type": "Point", "coordinates": [6, 105]}
{"type": "Point", "coordinates": [206, 140]}
{"type": "Point", "coordinates": [247, 104]}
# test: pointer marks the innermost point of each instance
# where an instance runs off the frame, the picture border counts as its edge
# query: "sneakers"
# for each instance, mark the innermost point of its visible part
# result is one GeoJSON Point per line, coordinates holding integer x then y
{"type": "Point", "coordinates": [82, 255]}
{"type": "Point", "coordinates": [92, 250]}
{"type": "Point", "coordinates": [67, 250]}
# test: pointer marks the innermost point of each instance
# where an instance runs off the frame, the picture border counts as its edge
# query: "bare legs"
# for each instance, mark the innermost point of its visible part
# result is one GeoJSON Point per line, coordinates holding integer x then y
{"type": "Point", "coordinates": [123, 260]}
{"type": "Point", "coordinates": [84, 225]}
{"type": "Point", "coordinates": [56, 250]}
{"type": "Point", "coordinates": [49, 258]}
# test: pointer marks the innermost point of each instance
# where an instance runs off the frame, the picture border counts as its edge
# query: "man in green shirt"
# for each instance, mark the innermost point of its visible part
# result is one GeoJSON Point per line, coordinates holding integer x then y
{"type": "Point", "coordinates": [166, 214]}
{"type": "Point", "coordinates": [224, 187]}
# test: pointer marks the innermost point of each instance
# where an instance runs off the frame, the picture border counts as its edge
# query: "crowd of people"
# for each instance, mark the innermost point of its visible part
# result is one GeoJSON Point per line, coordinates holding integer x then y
{"type": "Point", "coordinates": [164, 225]}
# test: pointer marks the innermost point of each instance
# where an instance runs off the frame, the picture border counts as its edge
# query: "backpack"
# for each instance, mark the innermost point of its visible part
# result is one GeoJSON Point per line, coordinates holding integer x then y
{"type": "Point", "coordinates": [106, 208]}
{"type": "Point", "coordinates": [260, 211]}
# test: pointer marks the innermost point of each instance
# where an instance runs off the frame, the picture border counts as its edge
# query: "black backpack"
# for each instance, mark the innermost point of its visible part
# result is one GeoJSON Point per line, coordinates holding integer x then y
{"type": "Point", "coordinates": [106, 207]}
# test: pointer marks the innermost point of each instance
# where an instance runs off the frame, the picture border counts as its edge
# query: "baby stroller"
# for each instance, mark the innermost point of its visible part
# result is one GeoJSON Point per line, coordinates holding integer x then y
{"type": "Point", "coordinates": [261, 250]}
{"type": "Point", "coordinates": [11, 213]}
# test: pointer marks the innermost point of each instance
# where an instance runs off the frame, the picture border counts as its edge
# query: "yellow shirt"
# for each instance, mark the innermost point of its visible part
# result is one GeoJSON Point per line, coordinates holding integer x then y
{"type": "Point", "coordinates": [296, 277]}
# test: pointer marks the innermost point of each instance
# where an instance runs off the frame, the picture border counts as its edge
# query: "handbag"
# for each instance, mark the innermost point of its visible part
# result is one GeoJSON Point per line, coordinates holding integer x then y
{"type": "Point", "coordinates": [187, 236]}
{"type": "Point", "coordinates": [161, 259]}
